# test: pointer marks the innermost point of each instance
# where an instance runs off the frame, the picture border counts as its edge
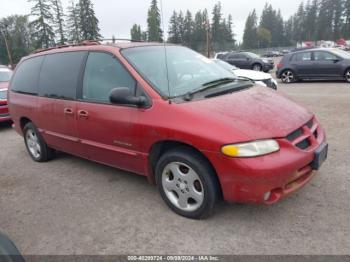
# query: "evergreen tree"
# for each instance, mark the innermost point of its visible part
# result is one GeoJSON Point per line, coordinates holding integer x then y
{"type": "Point", "coordinates": [311, 20]}
{"type": "Point", "coordinates": [250, 37]}
{"type": "Point", "coordinates": [144, 36]}
{"type": "Point", "coordinates": [174, 30]}
{"type": "Point", "coordinates": [346, 26]}
{"type": "Point", "coordinates": [229, 36]}
{"type": "Point", "coordinates": [155, 33]}
{"type": "Point", "coordinates": [88, 21]}
{"type": "Point", "coordinates": [325, 18]}
{"type": "Point", "coordinates": [264, 37]}
{"type": "Point", "coordinates": [136, 33]}
{"type": "Point", "coordinates": [201, 22]}
{"type": "Point", "coordinates": [42, 29]}
{"type": "Point", "coordinates": [216, 27]}
{"type": "Point", "coordinates": [73, 23]}
{"type": "Point", "coordinates": [59, 21]}
{"type": "Point", "coordinates": [337, 19]}
{"type": "Point", "coordinates": [188, 30]}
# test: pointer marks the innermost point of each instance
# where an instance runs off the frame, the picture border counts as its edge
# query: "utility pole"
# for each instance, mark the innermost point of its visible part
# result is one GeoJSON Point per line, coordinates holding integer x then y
{"type": "Point", "coordinates": [7, 47]}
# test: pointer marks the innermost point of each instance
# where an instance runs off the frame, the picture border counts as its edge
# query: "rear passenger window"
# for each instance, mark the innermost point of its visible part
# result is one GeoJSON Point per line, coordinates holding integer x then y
{"type": "Point", "coordinates": [60, 74]}
{"type": "Point", "coordinates": [26, 77]}
{"type": "Point", "coordinates": [103, 72]}
{"type": "Point", "coordinates": [302, 57]}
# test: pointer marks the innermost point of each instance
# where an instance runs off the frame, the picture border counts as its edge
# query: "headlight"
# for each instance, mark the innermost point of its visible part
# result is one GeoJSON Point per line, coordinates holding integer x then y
{"type": "Point", "coordinates": [261, 83]}
{"type": "Point", "coordinates": [251, 149]}
{"type": "Point", "coordinates": [274, 82]}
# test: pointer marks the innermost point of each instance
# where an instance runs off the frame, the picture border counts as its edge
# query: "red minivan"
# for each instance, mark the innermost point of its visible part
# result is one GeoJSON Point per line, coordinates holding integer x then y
{"type": "Point", "coordinates": [170, 114]}
{"type": "Point", "coordinates": [5, 76]}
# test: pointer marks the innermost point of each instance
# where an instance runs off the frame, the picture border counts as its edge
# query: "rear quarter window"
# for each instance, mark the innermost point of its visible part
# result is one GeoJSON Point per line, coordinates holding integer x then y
{"type": "Point", "coordinates": [25, 79]}
{"type": "Point", "coordinates": [60, 75]}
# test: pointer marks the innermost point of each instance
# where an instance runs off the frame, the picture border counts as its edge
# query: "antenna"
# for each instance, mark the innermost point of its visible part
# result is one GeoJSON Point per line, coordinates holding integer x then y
{"type": "Point", "coordinates": [165, 51]}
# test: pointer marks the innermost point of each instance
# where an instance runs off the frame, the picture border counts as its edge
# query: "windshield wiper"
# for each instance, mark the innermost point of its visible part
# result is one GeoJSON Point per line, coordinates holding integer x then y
{"type": "Point", "coordinates": [189, 95]}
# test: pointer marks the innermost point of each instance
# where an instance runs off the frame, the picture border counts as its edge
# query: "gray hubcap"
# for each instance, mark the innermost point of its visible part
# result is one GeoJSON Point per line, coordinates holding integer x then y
{"type": "Point", "coordinates": [257, 68]}
{"type": "Point", "coordinates": [347, 76]}
{"type": "Point", "coordinates": [182, 186]}
{"type": "Point", "coordinates": [33, 143]}
{"type": "Point", "coordinates": [287, 77]}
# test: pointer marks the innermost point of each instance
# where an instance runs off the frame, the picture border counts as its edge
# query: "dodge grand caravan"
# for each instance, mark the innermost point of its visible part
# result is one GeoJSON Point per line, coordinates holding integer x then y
{"type": "Point", "coordinates": [170, 114]}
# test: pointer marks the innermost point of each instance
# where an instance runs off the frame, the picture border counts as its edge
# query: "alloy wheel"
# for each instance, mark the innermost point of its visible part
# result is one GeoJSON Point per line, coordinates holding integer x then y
{"type": "Point", "coordinates": [257, 68]}
{"type": "Point", "coordinates": [347, 76]}
{"type": "Point", "coordinates": [33, 144]}
{"type": "Point", "coordinates": [182, 186]}
{"type": "Point", "coordinates": [287, 77]}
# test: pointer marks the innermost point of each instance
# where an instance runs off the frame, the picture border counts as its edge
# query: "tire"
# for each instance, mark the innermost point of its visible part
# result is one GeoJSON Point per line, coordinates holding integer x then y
{"type": "Point", "coordinates": [288, 76]}
{"type": "Point", "coordinates": [347, 76]}
{"type": "Point", "coordinates": [257, 67]}
{"type": "Point", "coordinates": [38, 150]}
{"type": "Point", "coordinates": [187, 183]}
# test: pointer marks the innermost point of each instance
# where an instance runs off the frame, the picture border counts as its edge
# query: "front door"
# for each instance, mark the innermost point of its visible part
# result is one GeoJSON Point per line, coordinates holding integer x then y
{"type": "Point", "coordinates": [106, 131]}
{"type": "Point", "coordinates": [327, 64]}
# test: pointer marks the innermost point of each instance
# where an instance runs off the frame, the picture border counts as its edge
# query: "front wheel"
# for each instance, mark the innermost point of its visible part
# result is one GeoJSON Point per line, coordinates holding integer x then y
{"type": "Point", "coordinates": [347, 75]}
{"type": "Point", "coordinates": [187, 183]}
{"type": "Point", "coordinates": [288, 77]}
{"type": "Point", "coordinates": [257, 67]}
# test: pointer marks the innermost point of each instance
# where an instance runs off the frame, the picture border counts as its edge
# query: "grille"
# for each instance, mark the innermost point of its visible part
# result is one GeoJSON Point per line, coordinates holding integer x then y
{"type": "Point", "coordinates": [304, 136]}
{"type": "Point", "coordinates": [3, 95]}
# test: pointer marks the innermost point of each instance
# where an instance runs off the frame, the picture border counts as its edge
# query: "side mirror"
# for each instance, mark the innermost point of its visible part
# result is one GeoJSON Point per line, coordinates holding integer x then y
{"type": "Point", "coordinates": [124, 96]}
{"type": "Point", "coordinates": [336, 60]}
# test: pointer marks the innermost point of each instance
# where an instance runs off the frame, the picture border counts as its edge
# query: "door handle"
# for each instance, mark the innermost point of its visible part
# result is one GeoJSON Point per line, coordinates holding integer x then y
{"type": "Point", "coordinates": [83, 114]}
{"type": "Point", "coordinates": [68, 111]}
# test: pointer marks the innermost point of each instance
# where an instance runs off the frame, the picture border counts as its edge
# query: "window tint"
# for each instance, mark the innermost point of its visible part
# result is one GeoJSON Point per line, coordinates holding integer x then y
{"type": "Point", "coordinates": [26, 77]}
{"type": "Point", "coordinates": [103, 72]}
{"type": "Point", "coordinates": [302, 57]}
{"type": "Point", "coordinates": [324, 56]}
{"type": "Point", "coordinates": [237, 56]}
{"type": "Point", "coordinates": [59, 75]}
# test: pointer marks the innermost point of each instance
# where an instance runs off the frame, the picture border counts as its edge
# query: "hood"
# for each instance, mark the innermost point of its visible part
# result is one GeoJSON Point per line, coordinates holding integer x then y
{"type": "Point", "coordinates": [256, 113]}
{"type": "Point", "coordinates": [251, 74]}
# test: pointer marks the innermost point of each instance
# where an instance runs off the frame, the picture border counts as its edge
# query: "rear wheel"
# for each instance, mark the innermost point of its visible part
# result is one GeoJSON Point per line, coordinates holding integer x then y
{"type": "Point", "coordinates": [35, 144]}
{"type": "Point", "coordinates": [187, 183]}
{"type": "Point", "coordinates": [347, 75]}
{"type": "Point", "coordinates": [288, 77]}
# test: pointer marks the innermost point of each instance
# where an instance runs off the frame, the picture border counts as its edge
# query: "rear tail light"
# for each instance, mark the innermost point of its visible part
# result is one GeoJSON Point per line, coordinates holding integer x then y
{"type": "Point", "coordinates": [280, 65]}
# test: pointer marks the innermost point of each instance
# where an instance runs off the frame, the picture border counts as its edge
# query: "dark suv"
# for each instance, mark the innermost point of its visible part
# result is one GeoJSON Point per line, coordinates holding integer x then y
{"type": "Point", "coordinates": [247, 60]}
{"type": "Point", "coordinates": [317, 63]}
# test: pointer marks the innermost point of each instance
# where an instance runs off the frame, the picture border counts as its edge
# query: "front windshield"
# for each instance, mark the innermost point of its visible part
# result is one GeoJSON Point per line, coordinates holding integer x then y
{"type": "Point", "coordinates": [252, 55]}
{"type": "Point", "coordinates": [341, 53]}
{"type": "Point", "coordinates": [187, 70]}
{"type": "Point", "coordinates": [5, 74]}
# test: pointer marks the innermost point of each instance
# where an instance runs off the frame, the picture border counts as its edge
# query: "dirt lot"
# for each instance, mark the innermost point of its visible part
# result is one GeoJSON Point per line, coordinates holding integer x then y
{"type": "Point", "coordinates": [72, 206]}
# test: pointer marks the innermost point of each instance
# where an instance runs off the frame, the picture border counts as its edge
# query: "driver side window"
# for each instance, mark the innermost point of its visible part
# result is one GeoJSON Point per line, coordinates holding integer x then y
{"type": "Point", "coordinates": [103, 72]}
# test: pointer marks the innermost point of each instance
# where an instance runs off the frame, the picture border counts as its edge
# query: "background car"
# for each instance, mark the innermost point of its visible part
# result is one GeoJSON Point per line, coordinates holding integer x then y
{"type": "Point", "coordinates": [272, 54]}
{"type": "Point", "coordinates": [316, 63]}
{"type": "Point", "coordinates": [5, 76]}
{"type": "Point", "coordinates": [258, 78]}
{"type": "Point", "coordinates": [247, 60]}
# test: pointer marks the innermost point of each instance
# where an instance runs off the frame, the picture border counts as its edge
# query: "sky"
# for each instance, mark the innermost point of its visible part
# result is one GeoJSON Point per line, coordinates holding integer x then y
{"type": "Point", "coordinates": [117, 16]}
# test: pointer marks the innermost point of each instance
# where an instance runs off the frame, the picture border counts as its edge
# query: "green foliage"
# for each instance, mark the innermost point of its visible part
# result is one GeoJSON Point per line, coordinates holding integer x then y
{"type": "Point", "coordinates": [88, 21]}
{"type": "Point", "coordinates": [58, 21]}
{"type": "Point", "coordinates": [43, 33]}
{"type": "Point", "coordinates": [135, 32]}
{"type": "Point", "coordinates": [264, 37]}
{"type": "Point", "coordinates": [73, 23]}
{"type": "Point", "coordinates": [250, 36]}
{"type": "Point", "coordinates": [155, 33]}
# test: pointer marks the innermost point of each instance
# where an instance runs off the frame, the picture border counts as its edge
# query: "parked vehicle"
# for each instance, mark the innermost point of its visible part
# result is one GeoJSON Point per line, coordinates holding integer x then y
{"type": "Point", "coordinates": [316, 63]}
{"type": "Point", "coordinates": [258, 78]}
{"type": "Point", "coordinates": [5, 76]}
{"type": "Point", "coordinates": [272, 54]}
{"type": "Point", "coordinates": [177, 118]}
{"type": "Point", "coordinates": [247, 60]}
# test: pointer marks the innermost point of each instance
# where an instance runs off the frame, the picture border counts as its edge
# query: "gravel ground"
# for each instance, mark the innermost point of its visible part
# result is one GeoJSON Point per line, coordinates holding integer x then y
{"type": "Point", "coordinates": [73, 206]}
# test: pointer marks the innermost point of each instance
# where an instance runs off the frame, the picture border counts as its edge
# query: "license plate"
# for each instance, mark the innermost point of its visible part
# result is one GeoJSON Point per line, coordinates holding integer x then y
{"type": "Point", "coordinates": [321, 154]}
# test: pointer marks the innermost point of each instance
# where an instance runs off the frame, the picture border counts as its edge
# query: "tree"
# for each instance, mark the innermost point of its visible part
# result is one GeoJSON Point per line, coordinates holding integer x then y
{"type": "Point", "coordinates": [88, 21]}
{"type": "Point", "coordinates": [216, 27]}
{"type": "Point", "coordinates": [229, 36]}
{"type": "Point", "coordinates": [325, 19]}
{"type": "Point", "coordinates": [264, 37]}
{"type": "Point", "coordinates": [155, 33]}
{"type": "Point", "coordinates": [311, 20]}
{"type": "Point", "coordinates": [201, 22]}
{"type": "Point", "coordinates": [17, 31]}
{"type": "Point", "coordinates": [136, 33]}
{"type": "Point", "coordinates": [174, 29]}
{"type": "Point", "coordinates": [188, 30]}
{"type": "Point", "coordinates": [73, 23]}
{"type": "Point", "coordinates": [59, 21]}
{"type": "Point", "coordinates": [346, 25]}
{"type": "Point", "coordinates": [250, 36]}
{"type": "Point", "coordinates": [337, 19]}
{"type": "Point", "coordinates": [42, 29]}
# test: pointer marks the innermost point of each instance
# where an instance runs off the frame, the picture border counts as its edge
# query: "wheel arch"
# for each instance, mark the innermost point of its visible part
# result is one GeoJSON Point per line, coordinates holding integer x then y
{"type": "Point", "coordinates": [23, 121]}
{"type": "Point", "coordinates": [161, 147]}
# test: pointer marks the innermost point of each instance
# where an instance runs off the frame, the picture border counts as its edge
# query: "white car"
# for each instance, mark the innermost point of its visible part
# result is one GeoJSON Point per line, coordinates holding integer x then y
{"type": "Point", "coordinates": [258, 78]}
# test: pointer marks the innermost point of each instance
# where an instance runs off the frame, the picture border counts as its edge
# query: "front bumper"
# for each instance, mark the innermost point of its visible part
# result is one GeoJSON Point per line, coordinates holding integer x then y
{"type": "Point", "coordinates": [248, 180]}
